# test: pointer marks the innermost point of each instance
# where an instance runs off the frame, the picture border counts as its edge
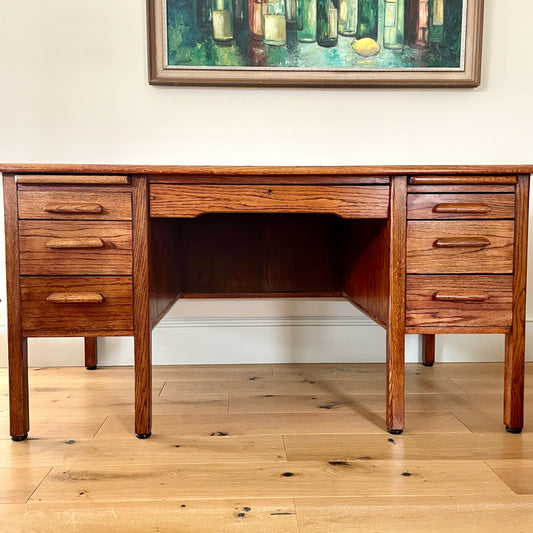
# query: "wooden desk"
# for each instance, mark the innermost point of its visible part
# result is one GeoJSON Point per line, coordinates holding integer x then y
{"type": "Point", "coordinates": [106, 250]}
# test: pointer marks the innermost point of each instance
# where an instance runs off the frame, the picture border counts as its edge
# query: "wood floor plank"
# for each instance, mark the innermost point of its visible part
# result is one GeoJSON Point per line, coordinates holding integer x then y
{"type": "Point", "coordinates": [213, 372]}
{"type": "Point", "coordinates": [414, 383]}
{"type": "Point", "coordinates": [268, 480]}
{"type": "Point", "coordinates": [282, 423]}
{"type": "Point", "coordinates": [64, 428]}
{"type": "Point", "coordinates": [255, 386]}
{"type": "Point", "coordinates": [286, 403]}
{"type": "Point", "coordinates": [451, 446]}
{"type": "Point", "coordinates": [130, 451]}
{"type": "Point", "coordinates": [466, 472]}
{"type": "Point", "coordinates": [186, 516]}
{"type": "Point", "coordinates": [122, 403]}
{"type": "Point", "coordinates": [516, 473]}
{"type": "Point", "coordinates": [18, 484]}
{"type": "Point", "coordinates": [454, 514]}
{"type": "Point", "coordinates": [483, 384]}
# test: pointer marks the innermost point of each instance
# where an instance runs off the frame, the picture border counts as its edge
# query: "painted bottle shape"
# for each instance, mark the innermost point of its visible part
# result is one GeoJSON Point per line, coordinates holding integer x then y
{"type": "Point", "coordinates": [327, 21]}
{"type": "Point", "coordinates": [436, 21]}
{"type": "Point", "coordinates": [203, 15]}
{"type": "Point", "coordinates": [255, 19]}
{"type": "Point", "coordinates": [274, 23]}
{"type": "Point", "coordinates": [238, 13]}
{"type": "Point", "coordinates": [223, 21]}
{"type": "Point", "coordinates": [418, 20]}
{"type": "Point", "coordinates": [367, 19]}
{"type": "Point", "coordinates": [306, 21]}
{"type": "Point", "coordinates": [348, 17]}
{"type": "Point", "coordinates": [394, 24]}
{"type": "Point", "coordinates": [290, 13]}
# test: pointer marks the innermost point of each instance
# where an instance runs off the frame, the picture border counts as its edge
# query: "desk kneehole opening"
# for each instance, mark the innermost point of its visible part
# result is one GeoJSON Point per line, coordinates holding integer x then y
{"type": "Point", "coordinates": [75, 298]}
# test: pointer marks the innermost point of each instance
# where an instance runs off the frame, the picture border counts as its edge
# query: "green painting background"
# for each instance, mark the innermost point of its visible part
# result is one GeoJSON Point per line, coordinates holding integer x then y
{"type": "Point", "coordinates": [190, 47]}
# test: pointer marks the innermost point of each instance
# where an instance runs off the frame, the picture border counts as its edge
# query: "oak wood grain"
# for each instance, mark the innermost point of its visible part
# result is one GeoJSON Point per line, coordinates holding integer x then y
{"type": "Point", "coordinates": [395, 340]}
{"type": "Point", "coordinates": [86, 204]}
{"type": "Point", "coordinates": [75, 298]}
{"type": "Point", "coordinates": [463, 305]}
{"type": "Point", "coordinates": [344, 201]}
{"type": "Point", "coordinates": [111, 315]}
{"type": "Point", "coordinates": [460, 206]}
{"type": "Point", "coordinates": [425, 256]}
{"type": "Point", "coordinates": [457, 180]}
{"type": "Point", "coordinates": [428, 349]}
{"type": "Point", "coordinates": [51, 247]}
{"type": "Point", "coordinates": [382, 170]}
{"type": "Point", "coordinates": [461, 189]}
{"type": "Point", "coordinates": [366, 273]}
{"type": "Point", "coordinates": [64, 179]}
{"type": "Point", "coordinates": [141, 308]}
{"type": "Point", "coordinates": [91, 352]}
{"type": "Point", "coordinates": [515, 340]}
{"type": "Point", "coordinates": [17, 344]}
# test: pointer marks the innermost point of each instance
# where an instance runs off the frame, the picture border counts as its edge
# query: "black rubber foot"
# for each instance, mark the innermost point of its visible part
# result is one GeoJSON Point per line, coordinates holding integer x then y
{"type": "Point", "coordinates": [91, 367]}
{"type": "Point", "coordinates": [427, 364]}
{"type": "Point", "coordinates": [18, 439]}
{"type": "Point", "coordinates": [513, 430]}
{"type": "Point", "coordinates": [395, 431]}
{"type": "Point", "coordinates": [142, 435]}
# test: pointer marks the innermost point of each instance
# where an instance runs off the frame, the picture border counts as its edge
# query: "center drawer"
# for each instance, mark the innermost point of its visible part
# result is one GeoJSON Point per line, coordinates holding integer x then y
{"type": "Point", "coordinates": [75, 248]}
{"type": "Point", "coordinates": [460, 247]}
{"type": "Point", "coordinates": [354, 201]}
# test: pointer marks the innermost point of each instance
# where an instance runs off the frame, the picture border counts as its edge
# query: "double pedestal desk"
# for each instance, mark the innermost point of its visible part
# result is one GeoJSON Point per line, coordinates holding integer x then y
{"type": "Point", "coordinates": [99, 250]}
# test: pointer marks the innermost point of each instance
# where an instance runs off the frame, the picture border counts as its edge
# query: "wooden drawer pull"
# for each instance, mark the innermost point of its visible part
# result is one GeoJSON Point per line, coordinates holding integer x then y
{"type": "Point", "coordinates": [88, 242]}
{"type": "Point", "coordinates": [461, 208]}
{"type": "Point", "coordinates": [73, 208]}
{"type": "Point", "coordinates": [75, 298]}
{"type": "Point", "coordinates": [461, 242]}
{"type": "Point", "coordinates": [460, 296]}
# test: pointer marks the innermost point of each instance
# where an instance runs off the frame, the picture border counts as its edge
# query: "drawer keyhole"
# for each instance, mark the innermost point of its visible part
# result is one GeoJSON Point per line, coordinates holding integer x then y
{"type": "Point", "coordinates": [270, 192]}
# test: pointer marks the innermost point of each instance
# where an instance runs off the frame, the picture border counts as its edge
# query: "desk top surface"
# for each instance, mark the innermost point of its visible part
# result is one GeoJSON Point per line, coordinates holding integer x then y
{"type": "Point", "coordinates": [161, 170]}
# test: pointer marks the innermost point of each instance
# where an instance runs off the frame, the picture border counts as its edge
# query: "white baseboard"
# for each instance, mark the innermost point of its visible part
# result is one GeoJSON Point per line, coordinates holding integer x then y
{"type": "Point", "coordinates": [264, 339]}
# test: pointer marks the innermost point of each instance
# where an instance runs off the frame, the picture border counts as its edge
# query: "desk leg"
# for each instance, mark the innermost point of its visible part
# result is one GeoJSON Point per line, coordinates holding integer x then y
{"type": "Point", "coordinates": [142, 330]}
{"type": "Point", "coordinates": [143, 385]}
{"type": "Point", "coordinates": [513, 400]}
{"type": "Point", "coordinates": [395, 382]}
{"type": "Point", "coordinates": [396, 325]}
{"type": "Point", "coordinates": [91, 355]}
{"type": "Point", "coordinates": [17, 345]}
{"type": "Point", "coordinates": [19, 413]}
{"type": "Point", "coordinates": [428, 349]}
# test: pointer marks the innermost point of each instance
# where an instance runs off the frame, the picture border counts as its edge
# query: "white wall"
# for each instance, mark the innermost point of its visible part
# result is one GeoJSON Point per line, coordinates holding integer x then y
{"type": "Point", "coordinates": [74, 90]}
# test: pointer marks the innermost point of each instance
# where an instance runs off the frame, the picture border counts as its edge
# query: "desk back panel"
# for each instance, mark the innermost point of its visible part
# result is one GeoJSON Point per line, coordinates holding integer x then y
{"type": "Point", "coordinates": [254, 254]}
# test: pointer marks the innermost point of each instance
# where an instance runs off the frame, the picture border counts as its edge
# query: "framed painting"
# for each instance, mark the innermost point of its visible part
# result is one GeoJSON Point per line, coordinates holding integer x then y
{"type": "Point", "coordinates": [324, 43]}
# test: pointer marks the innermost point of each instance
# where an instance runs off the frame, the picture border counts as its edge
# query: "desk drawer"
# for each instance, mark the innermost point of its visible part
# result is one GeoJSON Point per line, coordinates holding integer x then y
{"type": "Point", "coordinates": [460, 206]}
{"type": "Point", "coordinates": [75, 248]}
{"type": "Point", "coordinates": [459, 300]}
{"type": "Point", "coordinates": [47, 204]}
{"type": "Point", "coordinates": [460, 247]}
{"type": "Point", "coordinates": [356, 201]}
{"type": "Point", "coordinates": [65, 306]}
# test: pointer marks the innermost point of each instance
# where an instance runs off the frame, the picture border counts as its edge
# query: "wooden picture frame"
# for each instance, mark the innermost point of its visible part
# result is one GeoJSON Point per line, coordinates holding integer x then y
{"type": "Point", "coordinates": [187, 46]}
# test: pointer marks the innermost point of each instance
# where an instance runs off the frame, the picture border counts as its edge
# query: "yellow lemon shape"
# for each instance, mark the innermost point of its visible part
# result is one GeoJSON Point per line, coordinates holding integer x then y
{"type": "Point", "coordinates": [366, 47]}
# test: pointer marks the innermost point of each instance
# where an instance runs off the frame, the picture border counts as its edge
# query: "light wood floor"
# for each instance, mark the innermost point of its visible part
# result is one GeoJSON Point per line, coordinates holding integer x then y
{"type": "Point", "coordinates": [267, 448]}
